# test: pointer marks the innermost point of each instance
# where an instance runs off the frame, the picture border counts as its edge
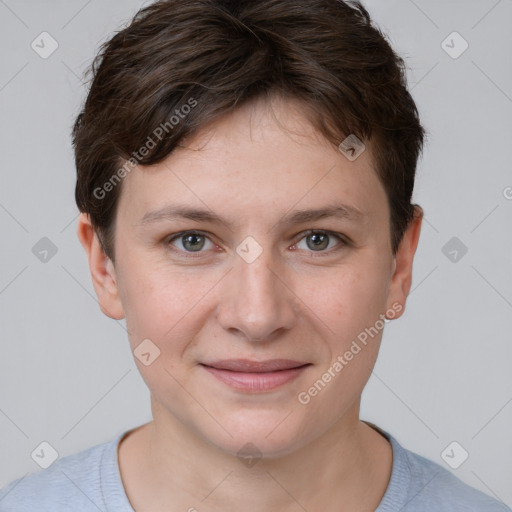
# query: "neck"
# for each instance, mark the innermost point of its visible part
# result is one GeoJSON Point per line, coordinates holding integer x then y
{"type": "Point", "coordinates": [347, 468]}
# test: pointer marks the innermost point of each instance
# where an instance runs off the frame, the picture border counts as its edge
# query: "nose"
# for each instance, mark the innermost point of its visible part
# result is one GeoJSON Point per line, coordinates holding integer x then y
{"type": "Point", "coordinates": [258, 302]}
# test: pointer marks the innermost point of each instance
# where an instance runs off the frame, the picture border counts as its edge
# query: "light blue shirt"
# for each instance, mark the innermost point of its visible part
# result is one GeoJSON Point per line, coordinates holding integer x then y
{"type": "Point", "coordinates": [90, 481]}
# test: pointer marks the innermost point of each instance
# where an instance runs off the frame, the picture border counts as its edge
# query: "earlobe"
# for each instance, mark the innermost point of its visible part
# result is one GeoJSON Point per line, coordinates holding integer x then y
{"type": "Point", "coordinates": [102, 270]}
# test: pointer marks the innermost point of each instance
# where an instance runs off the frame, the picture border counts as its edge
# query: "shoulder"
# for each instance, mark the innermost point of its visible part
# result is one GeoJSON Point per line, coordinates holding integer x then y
{"type": "Point", "coordinates": [418, 484]}
{"type": "Point", "coordinates": [433, 487]}
{"type": "Point", "coordinates": [71, 483]}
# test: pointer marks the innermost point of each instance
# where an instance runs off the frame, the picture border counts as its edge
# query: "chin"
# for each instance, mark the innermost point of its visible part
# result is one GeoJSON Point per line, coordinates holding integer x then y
{"type": "Point", "coordinates": [264, 433]}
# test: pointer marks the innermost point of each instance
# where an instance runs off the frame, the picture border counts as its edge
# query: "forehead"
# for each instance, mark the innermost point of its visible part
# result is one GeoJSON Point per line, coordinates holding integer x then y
{"type": "Point", "coordinates": [260, 158]}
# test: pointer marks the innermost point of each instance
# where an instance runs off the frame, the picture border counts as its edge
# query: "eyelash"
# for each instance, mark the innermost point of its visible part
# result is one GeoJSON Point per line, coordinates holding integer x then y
{"type": "Point", "coordinates": [343, 241]}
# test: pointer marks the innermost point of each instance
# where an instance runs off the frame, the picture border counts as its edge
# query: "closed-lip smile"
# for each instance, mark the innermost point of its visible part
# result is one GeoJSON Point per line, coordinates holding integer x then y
{"type": "Point", "coordinates": [249, 366]}
{"type": "Point", "coordinates": [255, 376]}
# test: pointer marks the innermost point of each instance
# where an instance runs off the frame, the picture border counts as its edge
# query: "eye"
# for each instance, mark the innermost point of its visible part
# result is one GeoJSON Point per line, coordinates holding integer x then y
{"type": "Point", "coordinates": [319, 241]}
{"type": "Point", "coordinates": [190, 241]}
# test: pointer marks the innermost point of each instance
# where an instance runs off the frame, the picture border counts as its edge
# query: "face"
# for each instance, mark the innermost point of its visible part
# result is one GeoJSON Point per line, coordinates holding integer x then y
{"type": "Point", "coordinates": [252, 279]}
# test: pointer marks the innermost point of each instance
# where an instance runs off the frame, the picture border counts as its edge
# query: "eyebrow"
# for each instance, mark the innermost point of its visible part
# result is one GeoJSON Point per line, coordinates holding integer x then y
{"type": "Point", "coordinates": [339, 211]}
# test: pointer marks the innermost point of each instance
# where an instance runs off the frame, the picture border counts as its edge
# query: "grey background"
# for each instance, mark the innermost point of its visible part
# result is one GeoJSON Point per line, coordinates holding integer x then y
{"type": "Point", "coordinates": [66, 372]}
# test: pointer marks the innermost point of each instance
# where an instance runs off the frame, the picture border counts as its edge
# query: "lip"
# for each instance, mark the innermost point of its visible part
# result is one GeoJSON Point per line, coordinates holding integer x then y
{"type": "Point", "coordinates": [248, 366]}
{"type": "Point", "coordinates": [255, 376]}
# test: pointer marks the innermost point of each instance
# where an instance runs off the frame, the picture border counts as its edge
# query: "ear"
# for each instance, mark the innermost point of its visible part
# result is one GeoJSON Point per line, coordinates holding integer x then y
{"type": "Point", "coordinates": [402, 274]}
{"type": "Point", "coordinates": [102, 270]}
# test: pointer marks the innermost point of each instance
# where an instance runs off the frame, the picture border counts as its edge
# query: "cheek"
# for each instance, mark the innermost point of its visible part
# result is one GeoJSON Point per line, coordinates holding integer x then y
{"type": "Point", "coordinates": [162, 303]}
{"type": "Point", "coordinates": [351, 304]}
{"type": "Point", "coordinates": [160, 308]}
{"type": "Point", "coordinates": [349, 298]}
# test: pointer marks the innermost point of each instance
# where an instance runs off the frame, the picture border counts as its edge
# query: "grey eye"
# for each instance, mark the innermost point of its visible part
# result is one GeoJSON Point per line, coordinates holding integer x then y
{"type": "Point", "coordinates": [190, 242]}
{"type": "Point", "coordinates": [318, 241]}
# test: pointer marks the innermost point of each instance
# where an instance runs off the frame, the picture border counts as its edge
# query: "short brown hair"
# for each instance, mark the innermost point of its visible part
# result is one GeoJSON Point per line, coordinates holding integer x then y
{"type": "Point", "coordinates": [215, 55]}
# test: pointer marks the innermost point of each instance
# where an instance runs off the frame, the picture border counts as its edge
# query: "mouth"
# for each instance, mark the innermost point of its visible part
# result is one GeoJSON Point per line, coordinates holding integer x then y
{"type": "Point", "coordinates": [255, 376]}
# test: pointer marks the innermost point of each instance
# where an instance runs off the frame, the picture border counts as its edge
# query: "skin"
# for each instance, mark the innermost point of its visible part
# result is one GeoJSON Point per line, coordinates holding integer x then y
{"type": "Point", "coordinates": [294, 301]}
